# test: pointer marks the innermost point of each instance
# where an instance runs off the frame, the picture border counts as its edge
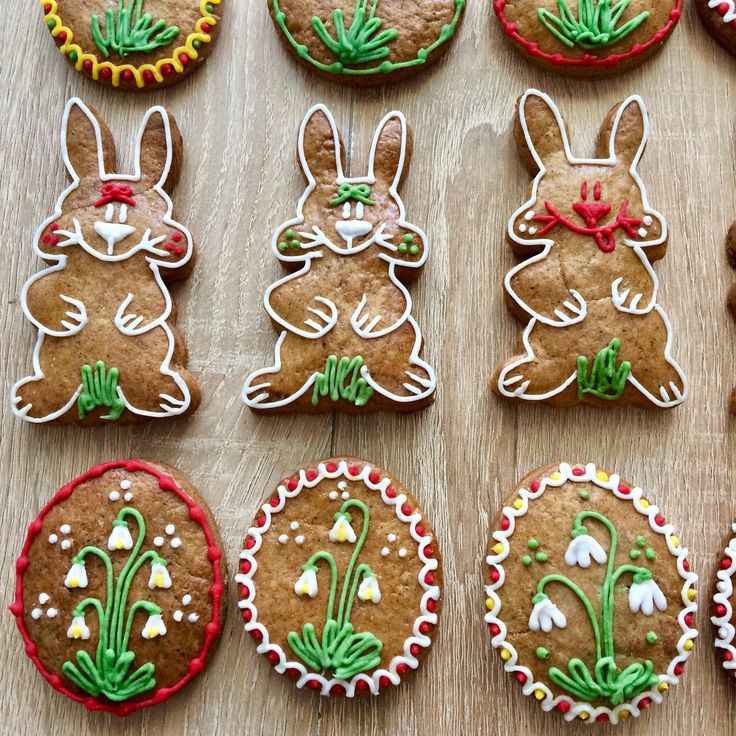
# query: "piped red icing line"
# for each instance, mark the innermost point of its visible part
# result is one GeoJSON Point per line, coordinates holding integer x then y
{"type": "Point", "coordinates": [197, 514]}
{"type": "Point", "coordinates": [610, 61]}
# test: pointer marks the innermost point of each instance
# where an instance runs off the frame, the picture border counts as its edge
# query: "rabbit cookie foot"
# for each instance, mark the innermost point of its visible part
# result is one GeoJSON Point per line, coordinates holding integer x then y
{"type": "Point", "coordinates": [172, 397]}
{"type": "Point", "coordinates": [669, 388]}
{"type": "Point", "coordinates": [31, 398]}
{"type": "Point", "coordinates": [529, 379]}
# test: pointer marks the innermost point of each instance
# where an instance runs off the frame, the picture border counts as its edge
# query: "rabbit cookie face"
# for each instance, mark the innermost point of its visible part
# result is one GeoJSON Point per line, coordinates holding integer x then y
{"type": "Point", "coordinates": [347, 338]}
{"type": "Point", "coordinates": [591, 236]}
{"type": "Point", "coordinates": [107, 348]}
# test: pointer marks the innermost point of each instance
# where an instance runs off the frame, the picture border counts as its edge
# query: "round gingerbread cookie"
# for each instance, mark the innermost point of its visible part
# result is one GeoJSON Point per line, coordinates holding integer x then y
{"type": "Point", "coordinates": [340, 579]}
{"type": "Point", "coordinates": [590, 599]}
{"type": "Point", "coordinates": [120, 587]}
{"type": "Point", "coordinates": [723, 606]}
{"type": "Point", "coordinates": [590, 38]}
{"type": "Point", "coordinates": [366, 42]}
{"type": "Point", "coordinates": [719, 19]}
{"type": "Point", "coordinates": [134, 44]}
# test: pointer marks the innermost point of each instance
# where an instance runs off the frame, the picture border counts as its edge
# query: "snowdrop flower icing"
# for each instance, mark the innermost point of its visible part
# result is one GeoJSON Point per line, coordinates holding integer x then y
{"type": "Point", "coordinates": [545, 615]}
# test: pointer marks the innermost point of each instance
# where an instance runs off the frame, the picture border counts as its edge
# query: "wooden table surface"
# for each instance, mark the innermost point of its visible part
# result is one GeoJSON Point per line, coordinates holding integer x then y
{"type": "Point", "coordinates": [239, 117]}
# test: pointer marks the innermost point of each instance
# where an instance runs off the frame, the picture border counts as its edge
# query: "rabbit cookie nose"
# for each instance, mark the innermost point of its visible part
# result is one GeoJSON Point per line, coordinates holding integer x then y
{"type": "Point", "coordinates": [591, 212]}
{"type": "Point", "coordinates": [348, 230]}
{"type": "Point", "coordinates": [112, 232]}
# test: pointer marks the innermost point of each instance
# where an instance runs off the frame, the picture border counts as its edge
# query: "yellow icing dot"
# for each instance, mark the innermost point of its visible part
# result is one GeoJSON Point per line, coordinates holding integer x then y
{"type": "Point", "coordinates": [490, 605]}
{"type": "Point", "coordinates": [692, 594]}
{"type": "Point", "coordinates": [602, 476]}
{"type": "Point", "coordinates": [539, 694]}
{"type": "Point", "coordinates": [518, 504]}
{"type": "Point", "coordinates": [555, 476]}
{"type": "Point", "coordinates": [675, 541]}
{"type": "Point", "coordinates": [644, 503]}
{"type": "Point", "coordinates": [505, 655]}
{"type": "Point", "coordinates": [688, 645]}
{"type": "Point", "coordinates": [662, 687]}
{"type": "Point", "coordinates": [497, 548]}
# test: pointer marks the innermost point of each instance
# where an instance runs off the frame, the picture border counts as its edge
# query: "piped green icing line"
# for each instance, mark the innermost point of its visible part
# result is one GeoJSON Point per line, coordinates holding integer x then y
{"type": "Point", "coordinates": [346, 191]}
{"type": "Point", "coordinates": [369, 46]}
{"type": "Point", "coordinates": [332, 382]}
{"type": "Point", "coordinates": [606, 381]}
{"type": "Point", "coordinates": [99, 388]}
{"type": "Point", "coordinates": [595, 26]}
{"type": "Point", "coordinates": [339, 648]}
{"type": "Point", "coordinates": [606, 681]}
{"type": "Point", "coordinates": [107, 674]}
{"type": "Point", "coordinates": [128, 30]}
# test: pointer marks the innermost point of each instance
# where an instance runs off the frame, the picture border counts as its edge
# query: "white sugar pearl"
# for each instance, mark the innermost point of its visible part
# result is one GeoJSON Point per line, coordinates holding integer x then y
{"type": "Point", "coordinates": [43, 598]}
{"type": "Point", "coordinates": [333, 495]}
{"type": "Point", "coordinates": [385, 551]}
{"type": "Point", "coordinates": [522, 228]}
{"type": "Point", "coordinates": [170, 529]}
{"type": "Point", "coordinates": [176, 542]}
{"type": "Point", "coordinates": [187, 599]}
{"type": "Point", "coordinates": [532, 230]}
{"type": "Point", "coordinates": [128, 496]}
{"type": "Point", "coordinates": [342, 485]}
{"type": "Point", "coordinates": [391, 537]}
{"type": "Point", "coordinates": [114, 496]}
{"type": "Point", "coordinates": [65, 529]}
{"type": "Point", "coordinates": [178, 616]}
{"type": "Point", "coordinates": [125, 484]}
{"type": "Point", "coordinates": [66, 543]}
{"type": "Point", "coordinates": [294, 525]}
{"type": "Point", "coordinates": [647, 220]}
{"type": "Point", "coordinates": [402, 552]}
{"type": "Point", "coordinates": [642, 232]}
{"type": "Point", "coordinates": [284, 538]}
{"type": "Point", "coordinates": [299, 539]}
{"type": "Point", "coordinates": [529, 215]}
{"type": "Point", "coordinates": [158, 541]}
{"type": "Point", "coordinates": [51, 613]}
{"type": "Point", "coordinates": [53, 539]}
{"type": "Point", "coordinates": [345, 495]}
{"type": "Point", "coordinates": [36, 613]}
{"type": "Point", "coordinates": [192, 618]}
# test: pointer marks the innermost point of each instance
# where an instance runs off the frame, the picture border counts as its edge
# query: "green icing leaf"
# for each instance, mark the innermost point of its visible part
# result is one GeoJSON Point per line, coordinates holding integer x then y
{"type": "Point", "coordinates": [606, 380]}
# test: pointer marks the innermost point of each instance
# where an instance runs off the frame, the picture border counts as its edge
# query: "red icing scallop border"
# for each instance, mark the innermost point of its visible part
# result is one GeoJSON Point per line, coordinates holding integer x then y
{"type": "Point", "coordinates": [611, 61]}
{"type": "Point", "coordinates": [196, 665]}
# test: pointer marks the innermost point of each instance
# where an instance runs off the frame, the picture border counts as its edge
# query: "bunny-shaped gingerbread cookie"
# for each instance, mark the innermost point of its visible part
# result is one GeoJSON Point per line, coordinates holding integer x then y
{"type": "Point", "coordinates": [347, 337]}
{"type": "Point", "coordinates": [107, 349]}
{"type": "Point", "coordinates": [587, 288]}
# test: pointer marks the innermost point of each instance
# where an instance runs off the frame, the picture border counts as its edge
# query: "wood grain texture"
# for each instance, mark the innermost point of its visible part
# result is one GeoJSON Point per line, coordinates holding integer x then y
{"type": "Point", "coordinates": [239, 117]}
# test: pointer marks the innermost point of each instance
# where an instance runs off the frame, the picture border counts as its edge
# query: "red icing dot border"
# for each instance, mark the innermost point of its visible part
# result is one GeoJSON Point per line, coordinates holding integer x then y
{"type": "Point", "coordinates": [217, 589]}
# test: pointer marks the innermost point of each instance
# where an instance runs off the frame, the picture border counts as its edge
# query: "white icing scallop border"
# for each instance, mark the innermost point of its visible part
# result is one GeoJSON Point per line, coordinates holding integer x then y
{"type": "Point", "coordinates": [635, 495]}
{"type": "Point", "coordinates": [725, 630]}
{"type": "Point", "coordinates": [429, 564]}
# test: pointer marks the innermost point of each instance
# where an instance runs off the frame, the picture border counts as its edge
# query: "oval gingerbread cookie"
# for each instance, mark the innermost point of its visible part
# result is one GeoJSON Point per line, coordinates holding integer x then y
{"type": "Point", "coordinates": [134, 44]}
{"type": "Point", "coordinates": [120, 587]}
{"type": "Point", "coordinates": [590, 597]}
{"type": "Point", "coordinates": [719, 19]}
{"type": "Point", "coordinates": [723, 606]}
{"type": "Point", "coordinates": [340, 579]}
{"type": "Point", "coordinates": [366, 42]}
{"type": "Point", "coordinates": [588, 38]}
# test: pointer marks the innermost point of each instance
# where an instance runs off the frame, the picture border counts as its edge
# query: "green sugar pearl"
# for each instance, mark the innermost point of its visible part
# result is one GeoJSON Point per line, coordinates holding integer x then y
{"type": "Point", "coordinates": [635, 554]}
{"type": "Point", "coordinates": [282, 246]}
{"type": "Point", "coordinates": [408, 238]}
{"type": "Point", "coordinates": [640, 541]}
{"type": "Point", "coordinates": [542, 653]}
{"type": "Point", "coordinates": [541, 557]}
{"type": "Point", "coordinates": [584, 495]}
{"type": "Point", "coordinates": [526, 560]}
{"type": "Point", "coordinates": [652, 638]}
{"type": "Point", "coordinates": [402, 248]}
{"type": "Point", "coordinates": [532, 544]}
{"type": "Point", "coordinates": [196, 43]}
{"type": "Point", "coordinates": [650, 554]}
{"type": "Point", "coordinates": [414, 249]}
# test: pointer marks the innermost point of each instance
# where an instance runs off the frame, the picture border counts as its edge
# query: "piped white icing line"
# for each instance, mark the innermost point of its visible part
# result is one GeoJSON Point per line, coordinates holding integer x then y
{"type": "Point", "coordinates": [512, 388]}
{"type": "Point", "coordinates": [730, 14]}
{"type": "Point", "coordinates": [635, 496]}
{"type": "Point", "coordinates": [169, 405]}
{"type": "Point", "coordinates": [251, 394]}
{"type": "Point", "coordinates": [725, 630]}
{"type": "Point", "coordinates": [431, 592]}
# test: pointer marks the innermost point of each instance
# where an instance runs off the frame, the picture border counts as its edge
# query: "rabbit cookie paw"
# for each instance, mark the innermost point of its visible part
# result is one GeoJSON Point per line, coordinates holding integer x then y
{"type": "Point", "coordinates": [590, 599]}
{"type": "Point", "coordinates": [347, 337]}
{"type": "Point", "coordinates": [586, 286]}
{"type": "Point", "coordinates": [134, 44]}
{"type": "Point", "coordinates": [121, 587]}
{"type": "Point", "coordinates": [109, 351]}
{"type": "Point", "coordinates": [340, 579]}
{"type": "Point", "coordinates": [367, 42]}
{"type": "Point", "coordinates": [592, 38]}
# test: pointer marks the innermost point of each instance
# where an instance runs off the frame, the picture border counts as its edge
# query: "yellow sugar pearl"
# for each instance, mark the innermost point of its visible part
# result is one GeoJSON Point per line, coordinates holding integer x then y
{"type": "Point", "coordinates": [518, 504]}
{"type": "Point", "coordinates": [497, 548]}
{"type": "Point", "coordinates": [644, 503]}
{"type": "Point", "coordinates": [662, 687]}
{"type": "Point", "coordinates": [505, 655]}
{"type": "Point", "coordinates": [490, 605]}
{"type": "Point", "coordinates": [692, 594]}
{"type": "Point", "coordinates": [688, 645]}
{"type": "Point", "coordinates": [555, 476]}
{"type": "Point", "coordinates": [623, 715]}
{"type": "Point", "coordinates": [675, 541]}
{"type": "Point", "coordinates": [602, 476]}
{"type": "Point", "coordinates": [539, 694]}
{"type": "Point", "coordinates": [584, 716]}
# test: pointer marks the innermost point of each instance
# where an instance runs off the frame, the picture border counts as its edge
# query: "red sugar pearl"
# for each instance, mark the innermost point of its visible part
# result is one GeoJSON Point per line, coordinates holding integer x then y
{"type": "Point", "coordinates": [62, 37]}
{"type": "Point", "coordinates": [245, 567]}
{"type": "Point", "coordinates": [727, 656]}
{"type": "Point", "coordinates": [315, 684]}
{"type": "Point", "coordinates": [679, 668]}
{"type": "Point", "coordinates": [419, 529]}
{"type": "Point", "coordinates": [311, 475]}
{"type": "Point", "coordinates": [261, 520]}
{"type": "Point", "coordinates": [424, 628]}
{"type": "Point", "coordinates": [178, 250]}
{"type": "Point", "coordinates": [686, 566]}
{"type": "Point", "coordinates": [495, 629]}
{"type": "Point", "coordinates": [534, 487]}
{"type": "Point", "coordinates": [390, 492]}
{"type": "Point", "coordinates": [406, 509]}
{"type": "Point", "coordinates": [578, 472]}
{"type": "Point", "coordinates": [249, 542]}
{"type": "Point", "coordinates": [624, 490]}
{"type": "Point", "coordinates": [337, 690]}
{"type": "Point", "coordinates": [292, 484]}
{"type": "Point", "coordinates": [274, 502]}
{"type": "Point", "coordinates": [354, 470]}
{"type": "Point", "coordinates": [689, 620]}
{"type": "Point", "coordinates": [247, 615]}
{"type": "Point", "coordinates": [645, 703]}
{"type": "Point", "coordinates": [725, 563]}
{"type": "Point", "coordinates": [331, 467]}
{"type": "Point", "coordinates": [719, 610]}
{"type": "Point", "coordinates": [47, 8]}
{"type": "Point", "coordinates": [505, 524]}
{"type": "Point", "coordinates": [429, 578]}
{"type": "Point", "coordinates": [659, 520]}
{"type": "Point", "coordinates": [167, 69]}
{"type": "Point", "coordinates": [205, 27]}
{"type": "Point", "coordinates": [374, 478]}
{"type": "Point", "coordinates": [361, 685]}
{"type": "Point", "coordinates": [273, 657]}
{"type": "Point", "coordinates": [127, 75]}
{"type": "Point", "coordinates": [602, 718]}
{"type": "Point", "coordinates": [563, 706]}
{"type": "Point", "coordinates": [184, 59]}
{"type": "Point", "coordinates": [148, 76]}
{"type": "Point", "coordinates": [520, 678]}
{"type": "Point", "coordinates": [256, 634]}
{"type": "Point", "coordinates": [401, 668]}
{"type": "Point", "coordinates": [428, 552]}
{"type": "Point", "coordinates": [293, 672]}
{"type": "Point", "coordinates": [431, 605]}
{"type": "Point", "coordinates": [722, 9]}
{"type": "Point", "coordinates": [495, 575]}
{"type": "Point", "coordinates": [176, 237]}
{"type": "Point", "coordinates": [384, 681]}
{"type": "Point", "coordinates": [87, 65]}
{"type": "Point", "coordinates": [414, 649]}
{"type": "Point", "coordinates": [106, 72]}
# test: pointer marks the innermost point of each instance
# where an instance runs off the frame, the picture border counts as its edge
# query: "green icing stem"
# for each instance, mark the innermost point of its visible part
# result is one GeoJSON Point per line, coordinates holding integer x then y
{"type": "Point", "coordinates": [340, 649]}
{"type": "Point", "coordinates": [332, 382]}
{"type": "Point", "coordinates": [606, 381]}
{"type": "Point", "coordinates": [595, 26]}
{"type": "Point", "coordinates": [99, 388]}
{"type": "Point", "coordinates": [107, 674]}
{"type": "Point", "coordinates": [385, 66]}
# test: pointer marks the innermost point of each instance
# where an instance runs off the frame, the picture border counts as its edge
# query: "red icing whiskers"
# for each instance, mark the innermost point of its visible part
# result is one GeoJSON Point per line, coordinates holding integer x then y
{"type": "Point", "coordinates": [604, 236]}
{"type": "Point", "coordinates": [112, 192]}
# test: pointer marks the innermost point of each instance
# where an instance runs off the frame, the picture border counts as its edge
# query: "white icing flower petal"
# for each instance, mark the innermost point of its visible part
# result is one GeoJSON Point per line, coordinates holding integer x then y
{"type": "Point", "coordinates": [77, 576]}
{"type": "Point", "coordinates": [342, 531]}
{"type": "Point", "coordinates": [545, 615]}
{"type": "Point", "coordinates": [645, 596]}
{"type": "Point", "coordinates": [78, 628]}
{"type": "Point", "coordinates": [369, 590]}
{"type": "Point", "coordinates": [581, 549]}
{"type": "Point", "coordinates": [307, 583]}
{"type": "Point", "coordinates": [154, 627]}
{"type": "Point", "coordinates": [160, 577]}
{"type": "Point", "coordinates": [120, 537]}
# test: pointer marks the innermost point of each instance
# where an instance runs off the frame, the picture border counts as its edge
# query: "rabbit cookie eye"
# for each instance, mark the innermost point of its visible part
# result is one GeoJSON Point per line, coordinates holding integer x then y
{"type": "Point", "coordinates": [174, 244]}
{"type": "Point", "coordinates": [596, 191]}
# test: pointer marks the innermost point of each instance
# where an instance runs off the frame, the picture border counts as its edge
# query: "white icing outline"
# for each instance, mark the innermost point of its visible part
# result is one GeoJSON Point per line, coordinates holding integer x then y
{"type": "Point", "coordinates": [319, 238]}
{"type": "Point", "coordinates": [579, 311]}
{"type": "Point", "coordinates": [725, 630]}
{"type": "Point", "coordinates": [635, 495]}
{"type": "Point", "coordinates": [247, 592]}
{"type": "Point", "coordinates": [169, 405]}
{"type": "Point", "coordinates": [730, 14]}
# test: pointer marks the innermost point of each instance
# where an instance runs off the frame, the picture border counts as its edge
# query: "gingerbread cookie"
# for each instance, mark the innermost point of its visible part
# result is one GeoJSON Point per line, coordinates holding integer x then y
{"type": "Point", "coordinates": [120, 587]}
{"type": "Point", "coordinates": [340, 579]}
{"type": "Point", "coordinates": [366, 41]}
{"type": "Point", "coordinates": [591, 601]}
{"type": "Point", "coordinates": [595, 332]}
{"type": "Point", "coordinates": [347, 338]}
{"type": "Point", "coordinates": [723, 606]}
{"type": "Point", "coordinates": [107, 348]}
{"type": "Point", "coordinates": [596, 38]}
{"type": "Point", "coordinates": [719, 19]}
{"type": "Point", "coordinates": [134, 44]}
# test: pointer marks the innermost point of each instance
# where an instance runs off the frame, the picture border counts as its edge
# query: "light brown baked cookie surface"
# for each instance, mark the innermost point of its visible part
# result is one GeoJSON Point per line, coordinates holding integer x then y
{"type": "Point", "coordinates": [121, 586]}
{"type": "Point", "coordinates": [590, 599]}
{"type": "Point", "coordinates": [340, 579]}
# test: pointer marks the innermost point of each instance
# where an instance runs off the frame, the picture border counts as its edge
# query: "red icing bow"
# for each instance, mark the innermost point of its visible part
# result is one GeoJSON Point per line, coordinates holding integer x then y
{"type": "Point", "coordinates": [603, 236]}
{"type": "Point", "coordinates": [117, 193]}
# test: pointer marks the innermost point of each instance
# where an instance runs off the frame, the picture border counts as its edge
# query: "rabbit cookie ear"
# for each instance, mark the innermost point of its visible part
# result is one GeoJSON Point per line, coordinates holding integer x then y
{"type": "Point", "coordinates": [540, 130]}
{"type": "Point", "coordinates": [390, 150]}
{"type": "Point", "coordinates": [86, 144]}
{"type": "Point", "coordinates": [320, 146]}
{"type": "Point", "coordinates": [625, 131]}
{"type": "Point", "coordinates": [158, 149]}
